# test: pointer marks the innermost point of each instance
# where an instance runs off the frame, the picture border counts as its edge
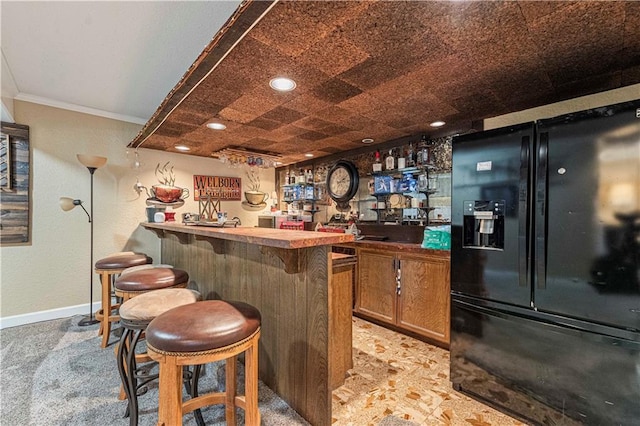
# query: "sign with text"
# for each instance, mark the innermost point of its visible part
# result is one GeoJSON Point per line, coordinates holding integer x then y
{"type": "Point", "coordinates": [218, 187]}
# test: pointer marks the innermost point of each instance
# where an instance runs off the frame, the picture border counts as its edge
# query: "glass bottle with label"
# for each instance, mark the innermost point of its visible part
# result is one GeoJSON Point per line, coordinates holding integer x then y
{"type": "Point", "coordinates": [390, 161]}
{"type": "Point", "coordinates": [411, 156]}
{"type": "Point", "coordinates": [423, 151]}
{"type": "Point", "coordinates": [377, 165]}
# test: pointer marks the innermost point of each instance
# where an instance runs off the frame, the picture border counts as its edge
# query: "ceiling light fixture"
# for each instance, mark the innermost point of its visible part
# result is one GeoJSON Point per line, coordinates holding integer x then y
{"type": "Point", "coordinates": [183, 148]}
{"type": "Point", "coordinates": [367, 140]}
{"type": "Point", "coordinates": [282, 84]}
{"type": "Point", "coordinates": [438, 123]}
{"type": "Point", "coordinates": [308, 155]}
{"type": "Point", "coordinates": [216, 126]}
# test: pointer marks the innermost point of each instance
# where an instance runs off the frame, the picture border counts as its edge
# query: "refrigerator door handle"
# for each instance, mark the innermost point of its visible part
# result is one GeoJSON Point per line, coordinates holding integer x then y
{"type": "Point", "coordinates": [523, 255]}
{"type": "Point", "coordinates": [541, 211]}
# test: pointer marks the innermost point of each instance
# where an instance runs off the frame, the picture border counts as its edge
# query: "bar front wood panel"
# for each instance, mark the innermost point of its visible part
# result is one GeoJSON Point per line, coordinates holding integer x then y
{"type": "Point", "coordinates": [293, 351]}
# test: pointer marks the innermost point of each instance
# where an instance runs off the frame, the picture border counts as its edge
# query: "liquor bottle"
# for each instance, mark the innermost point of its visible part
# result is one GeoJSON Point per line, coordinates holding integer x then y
{"type": "Point", "coordinates": [402, 159]}
{"type": "Point", "coordinates": [301, 178]}
{"type": "Point", "coordinates": [377, 165]}
{"type": "Point", "coordinates": [423, 151]}
{"type": "Point", "coordinates": [287, 177]}
{"type": "Point", "coordinates": [309, 176]}
{"type": "Point", "coordinates": [390, 161]}
{"type": "Point", "coordinates": [411, 156]}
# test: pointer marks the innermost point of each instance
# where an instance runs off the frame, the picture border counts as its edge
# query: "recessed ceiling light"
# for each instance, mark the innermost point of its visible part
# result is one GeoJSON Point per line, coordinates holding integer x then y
{"type": "Point", "coordinates": [216, 126]}
{"type": "Point", "coordinates": [182, 148]}
{"type": "Point", "coordinates": [282, 84]}
{"type": "Point", "coordinates": [367, 140]}
{"type": "Point", "coordinates": [308, 154]}
{"type": "Point", "coordinates": [438, 123]}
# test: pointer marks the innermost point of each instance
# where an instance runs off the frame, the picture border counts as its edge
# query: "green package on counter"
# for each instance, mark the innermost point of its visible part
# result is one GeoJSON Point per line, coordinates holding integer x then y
{"type": "Point", "coordinates": [437, 237]}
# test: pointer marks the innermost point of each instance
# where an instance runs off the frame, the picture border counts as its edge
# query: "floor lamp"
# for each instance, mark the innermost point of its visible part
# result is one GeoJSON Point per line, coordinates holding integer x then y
{"type": "Point", "coordinates": [92, 163]}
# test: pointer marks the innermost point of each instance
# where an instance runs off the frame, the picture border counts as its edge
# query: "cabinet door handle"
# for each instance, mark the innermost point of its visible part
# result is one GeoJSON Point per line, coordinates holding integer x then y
{"type": "Point", "coordinates": [398, 279]}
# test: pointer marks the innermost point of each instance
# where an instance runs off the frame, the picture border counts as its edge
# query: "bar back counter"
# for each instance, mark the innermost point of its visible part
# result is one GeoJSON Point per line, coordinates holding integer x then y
{"type": "Point", "coordinates": [287, 275]}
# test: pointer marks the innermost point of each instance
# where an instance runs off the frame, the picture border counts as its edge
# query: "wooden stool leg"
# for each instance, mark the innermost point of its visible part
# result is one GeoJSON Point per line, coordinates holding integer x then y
{"type": "Point", "coordinates": [105, 326]}
{"type": "Point", "coordinates": [252, 414]}
{"type": "Point", "coordinates": [170, 399]}
{"type": "Point", "coordinates": [231, 370]}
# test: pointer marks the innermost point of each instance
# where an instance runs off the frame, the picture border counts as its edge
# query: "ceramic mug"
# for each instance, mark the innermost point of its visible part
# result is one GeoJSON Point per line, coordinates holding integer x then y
{"type": "Point", "coordinates": [222, 217]}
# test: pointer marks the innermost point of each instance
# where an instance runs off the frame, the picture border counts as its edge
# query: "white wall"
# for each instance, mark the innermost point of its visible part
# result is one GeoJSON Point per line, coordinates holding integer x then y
{"type": "Point", "coordinates": [50, 277]}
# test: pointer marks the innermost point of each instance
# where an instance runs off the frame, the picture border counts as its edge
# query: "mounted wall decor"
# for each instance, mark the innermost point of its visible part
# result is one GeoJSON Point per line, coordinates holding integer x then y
{"type": "Point", "coordinates": [219, 187]}
{"type": "Point", "coordinates": [15, 192]}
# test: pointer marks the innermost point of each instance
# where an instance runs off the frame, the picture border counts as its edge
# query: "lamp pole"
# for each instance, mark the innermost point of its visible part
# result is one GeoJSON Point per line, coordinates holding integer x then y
{"type": "Point", "coordinates": [90, 319]}
{"type": "Point", "coordinates": [91, 162]}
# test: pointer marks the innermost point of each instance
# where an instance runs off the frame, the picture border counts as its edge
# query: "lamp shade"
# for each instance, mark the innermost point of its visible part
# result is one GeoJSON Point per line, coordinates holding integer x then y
{"type": "Point", "coordinates": [67, 203]}
{"type": "Point", "coordinates": [92, 161]}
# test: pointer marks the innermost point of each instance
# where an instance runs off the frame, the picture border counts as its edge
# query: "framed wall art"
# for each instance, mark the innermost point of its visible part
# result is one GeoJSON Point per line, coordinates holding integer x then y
{"type": "Point", "coordinates": [15, 178]}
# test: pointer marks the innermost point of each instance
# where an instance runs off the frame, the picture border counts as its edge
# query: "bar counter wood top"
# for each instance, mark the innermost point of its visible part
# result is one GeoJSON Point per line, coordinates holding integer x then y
{"type": "Point", "coordinates": [294, 281]}
{"type": "Point", "coordinates": [281, 238]}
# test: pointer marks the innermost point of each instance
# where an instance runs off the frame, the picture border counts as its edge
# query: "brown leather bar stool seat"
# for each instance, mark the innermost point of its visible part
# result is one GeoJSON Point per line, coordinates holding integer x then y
{"type": "Point", "coordinates": [148, 278]}
{"type": "Point", "coordinates": [108, 268]}
{"type": "Point", "coordinates": [200, 333]}
{"type": "Point", "coordinates": [135, 315]}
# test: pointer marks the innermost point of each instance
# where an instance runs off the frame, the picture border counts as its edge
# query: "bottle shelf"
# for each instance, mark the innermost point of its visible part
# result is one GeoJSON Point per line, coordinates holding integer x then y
{"type": "Point", "coordinates": [300, 200]}
{"type": "Point", "coordinates": [293, 185]}
{"type": "Point", "coordinates": [412, 170]}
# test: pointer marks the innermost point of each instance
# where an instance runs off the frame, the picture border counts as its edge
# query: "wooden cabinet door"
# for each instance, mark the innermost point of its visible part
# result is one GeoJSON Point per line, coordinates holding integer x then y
{"type": "Point", "coordinates": [376, 285]}
{"type": "Point", "coordinates": [423, 303]}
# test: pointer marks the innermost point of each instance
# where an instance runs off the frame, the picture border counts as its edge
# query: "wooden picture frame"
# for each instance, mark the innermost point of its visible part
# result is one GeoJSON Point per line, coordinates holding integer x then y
{"type": "Point", "coordinates": [15, 192]}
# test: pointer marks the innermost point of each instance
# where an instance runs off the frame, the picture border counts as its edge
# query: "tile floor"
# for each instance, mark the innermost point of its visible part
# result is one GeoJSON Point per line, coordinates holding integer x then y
{"type": "Point", "coordinates": [396, 375]}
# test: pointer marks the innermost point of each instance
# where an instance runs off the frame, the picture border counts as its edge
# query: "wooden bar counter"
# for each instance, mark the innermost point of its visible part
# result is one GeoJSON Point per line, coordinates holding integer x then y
{"type": "Point", "coordinates": [287, 275]}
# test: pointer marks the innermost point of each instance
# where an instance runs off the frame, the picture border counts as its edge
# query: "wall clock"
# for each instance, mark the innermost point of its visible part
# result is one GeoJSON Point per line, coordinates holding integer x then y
{"type": "Point", "coordinates": [342, 182]}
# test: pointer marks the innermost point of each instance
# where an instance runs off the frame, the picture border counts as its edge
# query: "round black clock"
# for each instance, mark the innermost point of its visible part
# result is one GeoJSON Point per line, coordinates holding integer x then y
{"type": "Point", "coordinates": [342, 181]}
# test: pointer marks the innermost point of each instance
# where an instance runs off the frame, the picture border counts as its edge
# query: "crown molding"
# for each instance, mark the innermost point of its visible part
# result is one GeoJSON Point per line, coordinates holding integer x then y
{"type": "Point", "coordinates": [25, 97]}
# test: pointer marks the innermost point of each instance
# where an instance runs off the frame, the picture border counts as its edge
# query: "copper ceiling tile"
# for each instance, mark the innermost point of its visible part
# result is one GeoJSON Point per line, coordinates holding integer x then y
{"type": "Point", "coordinates": [283, 115]}
{"type": "Point", "coordinates": [307, 103]}
{"type": "Point", "coordinates": [210, 92]}
{"type": "Point", "coordinates": [237, 116]}
{"type": "Point", "coordinates": [336, 13]}
{"type": "Point", "coordinates": [312, 136]}
{"type": "Point", "coordinates": [193, 116]}
{"type": "Point", "coordinates": [580, 41]}
{"type": "Point", "coordinates": [533, 11]}
{"type": "Point", "coordinates": [312, 123]}
{"type": "Point", "coordinates": [288, 18]}
{"type": "Point", "coordinates": [344, 54]}
{"type": "Point", "coordinates": [336, 90]}
{"type": "Point", "coordinates": [257, 101]}
{"type": "Point", "coordinates": [264, 123]}
{"type": "Point", "coordinates": [630, 55]}
{"type": "Point", "coordinates": [365, 102]}
{"type": "Point", "coordinates": [631, 76]}
{"type": "Point", "coordinates": [336, 129]}
{"type": "Point", "coordinates": [286, 132]}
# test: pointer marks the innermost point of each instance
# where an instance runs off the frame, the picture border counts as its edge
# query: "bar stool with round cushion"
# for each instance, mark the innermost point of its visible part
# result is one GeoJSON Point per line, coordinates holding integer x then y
{"type": "Point", "coordinates": [200, 333]}
{"type": "Point", "coordinates": [108, 268]}
{"type": "Point", "coordinates": [135, 315]}
{"type": "Point", "coordinates": [142, 279]}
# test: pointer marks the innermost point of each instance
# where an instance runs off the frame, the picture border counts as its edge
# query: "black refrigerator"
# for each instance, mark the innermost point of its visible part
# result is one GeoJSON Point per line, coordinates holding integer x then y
{"type": "Point", "coordinates": [545, 268]}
